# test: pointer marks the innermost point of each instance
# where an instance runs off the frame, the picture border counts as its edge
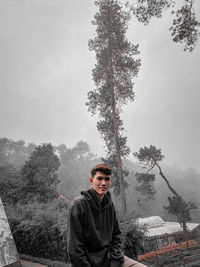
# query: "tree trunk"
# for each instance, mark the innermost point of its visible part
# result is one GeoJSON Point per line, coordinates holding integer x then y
{"type": "Point", "coordinates": [119, 161]}
{"type": "Point", "coordinates": [185, 229]}
{"type": "Point", "coordinates": [167, 182]}
{"type": "Point", "coordinates": [116, 129]}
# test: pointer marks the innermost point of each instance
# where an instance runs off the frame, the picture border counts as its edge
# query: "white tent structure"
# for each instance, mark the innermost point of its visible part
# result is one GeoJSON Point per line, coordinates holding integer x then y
{"type": "Point", "coordinates": [164, 233]}
{"type": "Point", "coordinates": [157, 226]}
{"type": "Point", "coordinates": [8, 252]}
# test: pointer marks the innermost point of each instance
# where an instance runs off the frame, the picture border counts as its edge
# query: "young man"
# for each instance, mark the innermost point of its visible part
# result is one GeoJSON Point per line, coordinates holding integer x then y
{"type": "Point", "coordinates": [94, 234]}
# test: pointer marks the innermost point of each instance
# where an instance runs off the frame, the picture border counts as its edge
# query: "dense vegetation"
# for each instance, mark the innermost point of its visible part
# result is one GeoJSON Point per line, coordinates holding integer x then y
{"type": "Point", "coordinates": [38, 216]}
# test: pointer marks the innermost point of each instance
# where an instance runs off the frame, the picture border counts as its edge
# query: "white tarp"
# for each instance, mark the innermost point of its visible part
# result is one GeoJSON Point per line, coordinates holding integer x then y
{"type": "Point", "coordinates": [8, 251]}
{"type": "Point", "coordinates": [156, 226]}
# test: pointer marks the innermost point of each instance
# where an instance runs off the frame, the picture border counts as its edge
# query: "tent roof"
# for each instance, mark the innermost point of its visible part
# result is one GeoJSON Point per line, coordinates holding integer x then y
{"type": "Point", "coordinates": [157, 226]}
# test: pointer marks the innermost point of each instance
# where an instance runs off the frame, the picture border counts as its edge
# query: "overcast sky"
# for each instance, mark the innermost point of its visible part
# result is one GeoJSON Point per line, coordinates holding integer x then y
{"type": "Point", "coordinates": [45, 74]}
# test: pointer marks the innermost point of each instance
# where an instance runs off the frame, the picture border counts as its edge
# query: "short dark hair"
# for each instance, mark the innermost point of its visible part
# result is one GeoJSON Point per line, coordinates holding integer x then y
{"type": "Point", "coordinates": [102, 167]}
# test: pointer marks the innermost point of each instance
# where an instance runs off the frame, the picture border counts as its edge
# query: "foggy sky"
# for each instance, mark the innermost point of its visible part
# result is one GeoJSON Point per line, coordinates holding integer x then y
{"type": "Point", "coordinates": [45, 74]}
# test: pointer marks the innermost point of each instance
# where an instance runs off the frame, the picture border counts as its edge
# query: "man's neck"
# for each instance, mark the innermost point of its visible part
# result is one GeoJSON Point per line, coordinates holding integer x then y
{"type": "Point", "coordinates": [100, 197]}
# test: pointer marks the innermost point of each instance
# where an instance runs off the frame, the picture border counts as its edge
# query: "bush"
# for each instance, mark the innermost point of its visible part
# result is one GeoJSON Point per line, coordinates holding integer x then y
{"type": "Point", "coordinates": [133, 236]}
{"type": "Point", "coordinates": [40, 241]}
{"type": "Point", "coordinates": [40, 230]}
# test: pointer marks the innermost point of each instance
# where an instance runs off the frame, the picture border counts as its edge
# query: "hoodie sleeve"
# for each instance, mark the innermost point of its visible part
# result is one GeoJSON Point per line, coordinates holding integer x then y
{"type": "Point", "coordinates": [75, 239]}
{"type": "Point", "coordinates": [116, 254]}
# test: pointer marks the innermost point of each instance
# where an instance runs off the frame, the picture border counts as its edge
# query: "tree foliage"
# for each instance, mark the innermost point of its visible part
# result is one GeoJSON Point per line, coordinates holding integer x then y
{"type": "Point", "coordinates": [40, 229]}
{"type": "Point", "coordinates": [150, 157]}
{"type": "Point", "coordinates": [180, 208]}
{"type": "Point", "coordinates": [10, 184]}
{"type": "Point", "coordinates": [134, 240]}
{"type": "Point", "coordinates": [112, 161]}
{"type": "Point", "coordinates": [144, 10]}
{"type": "Point", "coordinates": [133, 235]}
{"type": "Point", "coordinates": [14, 152]}
{"type": "Point", "coordinates": [39, 175]}
{"type": "Point", "coordinates": [146, 184]}
{"type": "Point", "coordinates": [75, 164]}
{"type": "Point", "coordinates": [112, 75]}
{"type": "Point", "coordinates": [38, 219]}
{"type": "Point", "coordinates": [185, 26]}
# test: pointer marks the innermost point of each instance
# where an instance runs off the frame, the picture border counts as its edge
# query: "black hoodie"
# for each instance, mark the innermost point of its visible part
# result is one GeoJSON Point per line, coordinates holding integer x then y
{"type": "Point", "coordinates": [94, 234]}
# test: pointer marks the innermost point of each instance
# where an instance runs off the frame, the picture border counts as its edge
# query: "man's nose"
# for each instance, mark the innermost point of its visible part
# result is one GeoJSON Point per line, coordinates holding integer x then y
{"type": "Point", "coordinates": [103, 182]}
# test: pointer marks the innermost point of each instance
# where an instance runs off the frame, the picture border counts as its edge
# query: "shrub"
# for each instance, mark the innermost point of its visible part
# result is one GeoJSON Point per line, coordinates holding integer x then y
{"type": "Point", "coordinates": [133, 236]}
{"type": "Point", "coordinates": [40, 230]}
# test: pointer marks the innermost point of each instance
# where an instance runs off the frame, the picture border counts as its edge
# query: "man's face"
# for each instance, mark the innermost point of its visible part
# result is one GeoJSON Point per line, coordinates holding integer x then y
{"type": "Point", "coordinates": [100, 183]}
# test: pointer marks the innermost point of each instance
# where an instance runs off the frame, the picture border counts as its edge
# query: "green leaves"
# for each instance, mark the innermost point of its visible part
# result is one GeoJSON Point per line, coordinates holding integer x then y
{"type": "Point", "coordinates": [14, 152]}
{"type": "Point", "coordinates": [41, 229]}
{"type": "Point", "coordinates": [185, 27]}
{"type": "Point", "coordinates": [111, 160]}
{"type": "Point", "coordinates": [146, 184]}
{"type": "Point", "coordinates": [149, 156]}
{"type": "Point", "coordinates": [177, 205]}
{"type": "Point", "coordinates": [74, 169]}
{"type": "Point", "coordinates": [144, 10]}
{"type": "Point", "coordinates": [113, 73]}
{"type": "Point", "coordinates": [10, 184]}
{"type": "Point", "coordinates": [39, 175]}
{"type": "Point", "coordinates": [180, 208]}
{"type": "Point", "coordinates": [114, 54]}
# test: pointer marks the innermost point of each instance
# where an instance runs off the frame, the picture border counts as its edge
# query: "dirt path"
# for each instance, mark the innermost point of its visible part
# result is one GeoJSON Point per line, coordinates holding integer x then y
{"type": "Point", "coordinates": [31, 264]}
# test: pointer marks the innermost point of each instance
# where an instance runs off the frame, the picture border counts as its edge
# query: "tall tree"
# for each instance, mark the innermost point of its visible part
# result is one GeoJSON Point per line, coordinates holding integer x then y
{"type": "Point", "coordinates": [39, 175]}
{"type": "Point", "coordinates": [151, 157]}
{"type": "Point", "coordinates": [185, 26]}
{"type": "Point", "coordinates": [112, 75]}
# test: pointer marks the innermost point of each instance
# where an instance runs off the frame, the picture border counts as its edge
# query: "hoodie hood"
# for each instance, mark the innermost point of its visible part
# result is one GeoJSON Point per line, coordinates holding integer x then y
{"type": "Point", "coordinates": [95, 203]}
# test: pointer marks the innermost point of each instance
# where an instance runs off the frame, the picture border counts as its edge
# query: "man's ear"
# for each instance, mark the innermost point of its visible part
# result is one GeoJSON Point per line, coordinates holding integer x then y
{"type": "Point", "coordinates": [91, 180]}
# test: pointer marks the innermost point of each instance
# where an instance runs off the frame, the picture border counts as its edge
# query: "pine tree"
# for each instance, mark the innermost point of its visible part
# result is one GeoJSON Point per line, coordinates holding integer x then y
{"type": "Point", "coordinates": [39, 175]}
{"type": "Point", "coordinates": [112, 75]}
{"type": "Point", "coordinates": [185, 27]}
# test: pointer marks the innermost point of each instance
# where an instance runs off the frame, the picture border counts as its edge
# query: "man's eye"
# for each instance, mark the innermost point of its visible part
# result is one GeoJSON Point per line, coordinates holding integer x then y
{"type": "Point", "coordinates": [101, 178]}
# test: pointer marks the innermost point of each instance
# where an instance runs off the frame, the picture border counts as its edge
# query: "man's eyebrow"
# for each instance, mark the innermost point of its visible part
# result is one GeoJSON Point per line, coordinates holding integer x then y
{"type": "Point", "coordinates": [103, 177]}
